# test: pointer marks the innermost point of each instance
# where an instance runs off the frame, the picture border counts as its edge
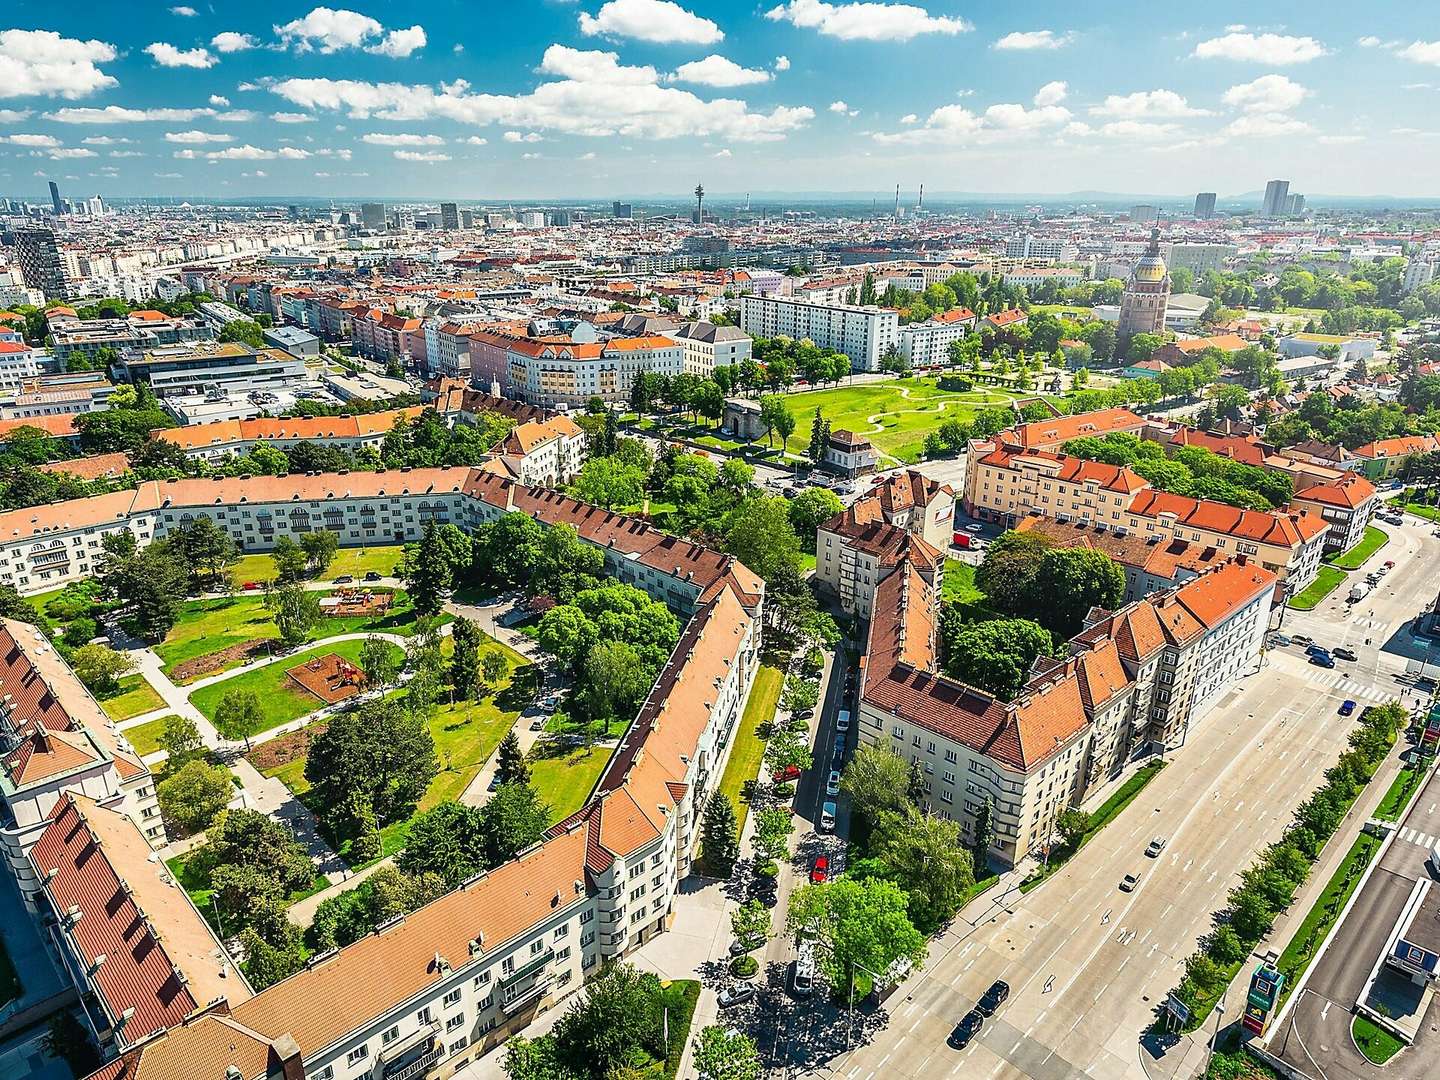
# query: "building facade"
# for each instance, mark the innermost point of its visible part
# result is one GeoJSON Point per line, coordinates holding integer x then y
{"type": "Point", "coordinates": [1142, 306]}
{"type": "Point", "coordinates": [864, 334]}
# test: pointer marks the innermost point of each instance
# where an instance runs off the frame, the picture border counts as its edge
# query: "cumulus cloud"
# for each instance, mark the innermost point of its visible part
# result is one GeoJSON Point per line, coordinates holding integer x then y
{"type": "Point", "coordinates": [219, 101]}
{"type": "Point", "coordinates": [42, 63]}
{"type": "Point", "coordinates": [1016, 117]}
{"type": "Point", "coordinates": [1052, 93]}
{"type": "Point", "coordinates": [866, 21]}
{"type": "Point", "coordinates": [1266, 124]}
{"type": "Point", "coordinates": [12, 116]}
{"type": "Point", "coordinates": [660, 21]}
{"type": "Point", "coordinates": [330, 31]}
{"type": "Point", "coordinates": [426, 156]}
{"type": "Point", "coordinates": [718, 71]}
{"type": "Point", "coordinates": [23, 139]}
{"type": "Point", "coordinates": [1369, 41]}
{"type": "Point", "coordinates": [1421, 52]}
{"type": "Point", "coordinates": [1147, 104]}
{"type": "Point", "coordinates": [1277, 49]}
{"type": "Point", "coordinates": [119, 114]}
{"type": "Point", "coordinates": [1267, 94]}
{"type": "Point", "coordinates": [62, 153]}
{"type": "Point", "coordinates": [842, 109]}
{"type": "Point", "coordinates": [782, 63]}
{"type": "Point", "coordinates": [956, 125]}
{"type": "Point", "coordinates": [909, 118]}
{"type": "Point", "coordinates": [184, 12]}
{"type": "Point", "coordinates": [476, 140]}
{"type": "Point", "coordinates": [593, 95]}
{"type": "Point", "coordinates": [291, 117]}
{"type": "Point", "coordinates": [385, 138]}
{"type": "Point", "coordinates": [246, 153]}
{"type": "Point", "coordinates": [166, 55]}
{"type": "Point", "coordinates": [228, 41]}
{"type": "Point", "coordinates": [518, 137]}
{"type": "Point", "coordinates": [1029, 40]}
{"type": "Point", "coordinates": [102, 140]}
{"type": "Point", "coordinates": [197, 137]}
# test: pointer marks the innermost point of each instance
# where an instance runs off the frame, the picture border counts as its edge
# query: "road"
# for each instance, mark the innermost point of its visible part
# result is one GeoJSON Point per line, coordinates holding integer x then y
{"type": "Point", "coordinates": [1088, 964]}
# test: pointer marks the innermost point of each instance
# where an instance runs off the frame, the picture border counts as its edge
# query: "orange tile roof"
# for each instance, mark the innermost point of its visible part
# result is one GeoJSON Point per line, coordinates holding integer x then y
{"type": "Point", "coordinates": [1044, 434]}
{"type": "Point", "coordinates": [1350, 492]}
{"type": "Point", "coordinates": [1401, 447]}
{"type": "Point", "coordinates": [310, 428]}
{"type": "Point", "coordinates": [634, 344]}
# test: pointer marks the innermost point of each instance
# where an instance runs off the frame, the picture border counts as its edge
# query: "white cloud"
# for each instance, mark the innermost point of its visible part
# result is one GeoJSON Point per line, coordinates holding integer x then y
{"type": "Point", "coordinates": [842, 109]}
{"type": "Point", "coordinates": [221, 102]}
{"type": "Point", "coordinates": [184, 12]}
{"type": "Point", "coordinates": [166, 55]}
{"type": "Point", "coordinates": [385, 138]}
{"type": "Point", "coordinates": [257, 174]}
{"type": "Point", "coordinates": [330, 31]}
{"type": "Point", "coordinates": [1266, 124]}
{"type": "Point", "coordinates": [228, 41]}
{"type": "Point", "coordinates": [41, 62]}
{"type": "Point", "coordinates": [118, 114]}
{"type": "Point", "coordinates": [909, 118]}
{"type": "Point", "coordinates": [529, 157]}
{"type": "Point", "coordinates": [947, 124]}
{"type": "Point", "coordinates": [782, 63]}
{"type": "Point", "coordinates": [13, 116]}
{"type": "Point", "coordinates": [64, 152]}
{"type": "Point", "coordinates": [197, 137]}
{"type": "Point", "coordinates": [1277, 49]}
{"type": "Point", "coordinates": [1015, 117]}
{"type": "Point", "coordinates": [235, 116]}
{"type": "Point", "coordinates": [426, 156]}
{"type": "Point", "coordinates": [30, 140]}
{"type": "Point", "coordinates": [1421, 52]}
{"type": "Point", "coordinates": [660, 21]}
{"type": "Point", "coordinates": [102, 140]}
{"type": "Point", "coordinates": [866, 21]}
{"type": "Point", "coordinates": [125, 153]}
{"type": "Point", "coordinates": [589, 155]}
{"type": "Point", "coordinates": [1029, 40]}
{"type": "Point", "coordinates": [1136, 129]}
{"type": "Point", "coordinates": [291, 117]}
{"type": "Point", "coordinates": [245, 153]}
{"type": "Point", "coordinates": [719, 71]}
{"type": "Point", "coordinates": [1369, 41]}
{"type": "Point", "coordinates": [476, 140]}
{"type": "Point", "coordinates": [517, 137]}
{"type": "Point", "coordinates": [1146, 103]}
{"type": "Point", "coordinates": [594, 96]}
{"type": "Point", "coordinates": [1267, 94]}
{"type": "Point", "coordinates": [722, 153]}
{"type": "Point", "coordinates": [1052, 93]}
{"type": "Point", "coordinates": [167, 176]}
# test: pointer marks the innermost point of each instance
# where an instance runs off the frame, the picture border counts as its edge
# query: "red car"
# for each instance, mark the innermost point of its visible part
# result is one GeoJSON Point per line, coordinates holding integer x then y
{"type": "Point", "coordinates": [787, 775]}
{"type": "Point", "coordinates": [1389, 564]}
{"type": "Point", "coordinates": [820, 870]}
{"type": "Point", "coordinates": [251, 586]}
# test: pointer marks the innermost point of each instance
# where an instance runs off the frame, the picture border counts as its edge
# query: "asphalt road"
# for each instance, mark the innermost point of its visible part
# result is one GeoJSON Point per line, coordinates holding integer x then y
{"type": "Point", "coordinates": [1087, 964]}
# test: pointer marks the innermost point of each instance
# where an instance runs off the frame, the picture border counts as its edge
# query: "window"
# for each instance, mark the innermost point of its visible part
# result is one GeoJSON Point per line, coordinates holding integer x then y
{"type": "Point", "coordinates": [359, 1054]}
{"type": "Point", "coordinates": [452, 998]}
{"type": "Point", "coordinates": [423, 1016]}
{"type": "Point", "coordinates": [562, 931]}
{"type": "Point", "coordinates": [324, 1074]}
{"type": "Point", "coordinates": [389, 1035]}
{"type": "Point", "coordinates": [537, 946]}
{"type": "Point", "coordinates": [586, 916]}
{"type": "Point", "coordinates": [482, 979]}
{"type": "Point", "coordinates": [454, 1022]}
{"type": "Point", "coordinates": [563, 954]}
{"type": "Point", "coordinates": [587, 939]}
{"type": "Point", "coordinates": [507, 965]}
{"type": "Point", "coordinates": [457, 1046]}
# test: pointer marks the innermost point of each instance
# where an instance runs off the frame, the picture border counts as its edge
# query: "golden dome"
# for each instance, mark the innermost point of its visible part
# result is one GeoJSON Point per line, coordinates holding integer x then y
{"type": "Point", "coordinates": [1150, 269]}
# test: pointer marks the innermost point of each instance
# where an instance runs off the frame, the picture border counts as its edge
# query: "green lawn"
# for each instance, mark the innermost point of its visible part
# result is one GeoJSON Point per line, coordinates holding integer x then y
{"type": "Point", "coordinates": [908, 410]}
{"type": "Point", "coordinates": [959, 585]}
{"type": "Point", "coordinates": [136, 696]}
{"type": "Point", "coordinates": [356, 561]}
{"type": "Point", "coordinates": [1107, 812]}
{"type": "Point", "coordinates": [1402, 790]}
{"type": "Point", "coordinates": [281, 700]}
{"type": "Point", "coordinates": [207, 626]}
{"type": "Point", "coordinates": [145, 738]}
{"type": "Point", "coordinates": [1326, 581]}
{"type": "Point", "coordinates": [566, 780]}
{"type": "Point", "coordinates": [1374, 1042]}
{"type": "Point", "coordinates": [197, 885]}
{"type": "Point", "coordinates": [1322, 916]}
{"type": "Point", "coordinates": [1355, 558]}
{"type": "Point", "coordinates": [749, 747]}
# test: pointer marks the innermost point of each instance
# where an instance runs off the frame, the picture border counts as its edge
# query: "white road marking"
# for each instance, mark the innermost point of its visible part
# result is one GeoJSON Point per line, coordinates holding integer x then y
{"type": "Point", "coordinates": [1324, 1011]}
{"type": "Point", "coordinates": [882, 1061]}
{"type": "Point", "coordinates": [1017, 1044]}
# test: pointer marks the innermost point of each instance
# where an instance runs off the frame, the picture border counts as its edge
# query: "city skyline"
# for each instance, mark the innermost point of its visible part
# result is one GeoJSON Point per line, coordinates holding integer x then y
{"type": "Point", "coordinates": [645, 97]}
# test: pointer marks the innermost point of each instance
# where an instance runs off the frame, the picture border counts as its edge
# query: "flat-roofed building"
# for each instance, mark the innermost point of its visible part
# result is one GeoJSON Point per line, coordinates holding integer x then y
{"type": "Point", "coordinates": [864, 334]}
{"type": "Point", "coordinates": [204, 367]}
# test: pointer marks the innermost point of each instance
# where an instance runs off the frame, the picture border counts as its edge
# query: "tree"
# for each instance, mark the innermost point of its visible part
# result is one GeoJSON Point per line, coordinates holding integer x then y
{"type": "Point", "coordinates": [995, 655]}
{"type": "Point", "coordinates": [239, 714]}
{"type": "Point", "coordinates": [253, 862]}
{"type": "Point", "coordinates": [266, 964]}
{"type": "Point", "coordinates": [776, 418]}
{"type": "Point", "coordinates": [1072, 824]}
{"type": "Point", "coordinates": [512, 820]}
{"type": "Point", "coordinates": [379, 661]}
{"type": "Point", "coordinates": [809, 510]}
{"type": "Point", "coordinates": [206, 549]}
{"type": "Point", "coordinates": [610, 483]}
{"type": "Point", "coordinates": [758, 533]}
{"type": "Point", "coordinates": [984, 836]}
{"type": "Point", "coordinates": [1071, 581]}
{"type": "Point", "coordinates": [465, 660]}
{"type": "Point", "coordinates": [617, 1012]}
{"type": "Point", "coordinates": [429, 577]}
{"type": "Point", "coordinates": [750, 923]}
{"type": "Point", "coordinates": [14, 606]}
{"type": "Point", "coordinates": [296, 611]}
{"type": "Point", "coordinates": [290, 560]}
{"type": "Point", "coordinates": [445, 841]}
{"type": "Point", "coordinates": [192, 796]}
{"type": "Point", "coordinates": [719, 838]}
{"type": "Point", "coordinates": [1143, 347]}
{"type": "Point", "coordinates": [101, 668]}
{"type": "Point", "coordinates": [929, 861]}
{"type": "Point", "coordinates": [180, 739]}
{"type": "Point", "coordinates": [613, 680]}
{"type": "Point", "coordinates": [724, 1054]}
{"type": "Point", "coordinates": [245, 331]}
{"type": "Point", "coordinates": [875, 779]}
{"type": "Point", "coordinates": [320, 548]}
{"type": "Point", "coordinates": [510, 764]}
{"type": "Point", "coordinates": [380, 755]}
{"type": "Point", "coordinates": [493, 666]}
{"type": "Point", "coordinates": [1006, 574]}
{"type": "Point", "coordinates": [565, 565]}
{"type": "Point", "coordinates": [862, 923]}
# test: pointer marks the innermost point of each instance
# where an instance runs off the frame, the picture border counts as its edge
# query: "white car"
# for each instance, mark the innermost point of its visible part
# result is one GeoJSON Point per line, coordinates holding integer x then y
{"type": "Point", "coordinates": [842, 721]}
{"type": "Point", "coordinates": [1156, 847]}
{"type": "Point", "coordinates": [832, 786]}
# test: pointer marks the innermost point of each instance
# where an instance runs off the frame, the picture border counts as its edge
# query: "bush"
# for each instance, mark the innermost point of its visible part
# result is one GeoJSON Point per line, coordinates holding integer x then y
{"type": "Point", "coordinates": [785, 792]}
{"type": "Point", "coordinates": [768, 869]}
{"type": "Point", "coordinates": [80, 632]}
{"type": "Point", "coordinates": [743, 967]}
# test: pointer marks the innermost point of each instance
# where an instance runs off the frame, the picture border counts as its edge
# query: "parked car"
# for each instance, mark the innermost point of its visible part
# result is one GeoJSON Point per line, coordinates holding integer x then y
{"type": "Point", "coordinates": [1342, 653]}
{"type": "Point", "coordinates": [735, 995]}
{"type": "Point", "coordinates": [1302, 639]}
{"type": "Point", "coordinates": [1156, 846]}
{"type": "Point", "coordinates": [827, 817]}
{"type": "Point", "coordinates": [967, 1029]}
{"type": "Point", "coordinates": [343, 579]}
{"type": "Point", "coordinates": [538, 724]}
{"type": "Point", "coordinates": [373, 576]}
{"type": "Point", "coordinates": [1129, 882]}
{"type": "Point", "coordinates": [251, 586]}
{"type": "Point", "coordinates": [975, 527]}
{"type": "Point", "coordinates": [1279, 641]}
{"type": "Point", "coordinates": [803, 714]}
{"type": "Point", "coordinates": [832, 785]}
{"type": "Point", "coordinates": [842, 721]}
{"type": "Point", "coordinates": [1324, 660]}
{"type": "Point", "coordinates": [1389, 564]}
{"type": "Point", "coordinates": [789, 774]}
{"type": "Point", "coordinates": [841, 745]}
{"type": "Point", "coordinates": [992, 999]}
{"type": "Point", "coordinates": [1347, 707]}
{"type": "Point", "coordinates": [820, 870]}
{"type": "Point", "coordinates": [1316, 650]}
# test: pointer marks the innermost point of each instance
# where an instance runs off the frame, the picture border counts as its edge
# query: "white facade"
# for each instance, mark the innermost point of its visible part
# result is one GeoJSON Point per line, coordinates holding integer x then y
{"type": "Point", "coordinates": [927, 344]}
{"type": "Point", "coordinates": [864, 334]}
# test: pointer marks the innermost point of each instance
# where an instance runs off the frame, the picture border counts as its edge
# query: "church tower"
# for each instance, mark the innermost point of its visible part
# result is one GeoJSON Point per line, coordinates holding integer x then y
{"type": "Point", "coordinates": [1142, 308]}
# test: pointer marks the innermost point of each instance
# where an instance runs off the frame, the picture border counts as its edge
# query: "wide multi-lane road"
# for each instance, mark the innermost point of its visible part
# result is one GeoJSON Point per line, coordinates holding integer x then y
{"type": "Point", "coordinates": [1087, 963]}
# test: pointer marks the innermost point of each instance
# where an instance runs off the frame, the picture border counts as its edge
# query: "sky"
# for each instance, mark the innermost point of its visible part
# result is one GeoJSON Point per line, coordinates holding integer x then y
{"type": "Point", "coordinates": [532, 99]}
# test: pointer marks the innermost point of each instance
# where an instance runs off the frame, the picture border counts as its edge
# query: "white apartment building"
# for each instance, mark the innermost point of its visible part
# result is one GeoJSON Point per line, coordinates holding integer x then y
{"type": "Point", "coordinates": [18, 362]}
{"type": "Point", "coordinates": [543, 453]}
{"type": "Point", "coordinates": [222, 438]}
{"type": "Point", "coordinates": [708, 346]}
{"type": "Point", "coordinates": [927, 344]}
{"type": "Point", "coordinates": [864, 334]}
{"type": "Point", "coordinates": [1029, 246]}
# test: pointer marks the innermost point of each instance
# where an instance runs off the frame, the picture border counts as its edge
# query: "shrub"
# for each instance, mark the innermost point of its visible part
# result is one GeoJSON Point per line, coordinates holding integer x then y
{"type": "Point", "coordinates": [742, 967]}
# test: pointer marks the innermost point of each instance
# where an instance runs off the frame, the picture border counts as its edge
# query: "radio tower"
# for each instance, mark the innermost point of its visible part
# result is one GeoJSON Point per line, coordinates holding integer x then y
{"type": "Point", "coordinates": [699, 204]}
{"type": "Point", "coordinates": [897, 200]}
{"type": "Point", "coordinates": [921, 204]}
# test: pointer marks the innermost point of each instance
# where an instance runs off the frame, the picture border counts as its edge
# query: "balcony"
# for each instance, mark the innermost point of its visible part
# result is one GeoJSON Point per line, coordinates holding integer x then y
{"type": "Point", "coordinates": [524, 971]}
{"type": "Point", "coordinates": [526, 997]}
{"type": "Point", "coordinates": [411, 1066]}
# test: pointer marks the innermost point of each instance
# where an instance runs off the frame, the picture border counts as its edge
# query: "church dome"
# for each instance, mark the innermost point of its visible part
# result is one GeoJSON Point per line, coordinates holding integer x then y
{"type": "Point", "coordinates": [1150, 268]}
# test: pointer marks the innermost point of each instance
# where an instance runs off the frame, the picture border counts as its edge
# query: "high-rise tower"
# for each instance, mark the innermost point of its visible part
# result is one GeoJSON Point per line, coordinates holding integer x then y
{"type": "Point", "coordinates": [1147, 294]}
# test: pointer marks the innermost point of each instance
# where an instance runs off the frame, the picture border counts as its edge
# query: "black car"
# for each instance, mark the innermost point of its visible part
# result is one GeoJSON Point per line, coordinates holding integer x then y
{"type": "Point", "coordinates": [993, 998]}
{"type": "Point", "coordinates": [967, 1029]}
{"type": "Point", "coordinates": [373, 576]}
{"type": "Point", "coordinates": [1342, 653]}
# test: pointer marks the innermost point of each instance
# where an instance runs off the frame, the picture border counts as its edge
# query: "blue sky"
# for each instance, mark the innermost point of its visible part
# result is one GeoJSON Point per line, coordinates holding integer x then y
{"type": "Point", "coordinates": [593, 98]}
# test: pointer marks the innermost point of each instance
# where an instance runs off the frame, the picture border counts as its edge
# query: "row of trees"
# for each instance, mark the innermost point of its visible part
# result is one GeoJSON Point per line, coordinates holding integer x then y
{"type": "Point", "coordinates": [1188, 470]}
{"type": "Point", "coordinates": [1268, 886]}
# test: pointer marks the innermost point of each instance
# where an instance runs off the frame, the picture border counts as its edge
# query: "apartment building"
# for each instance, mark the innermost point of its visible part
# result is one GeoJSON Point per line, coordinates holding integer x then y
{"type": "Point", "coordinates": [74, 337]}
{"type": "Point", "coordinates": [915, 502]}
{"type": "Point", "coordinates": [849, 454]}
{"type": "Point", "coordinates": [1345, 505]}
{"type": "Point", "coordinates": [543, 453]}
{"type": "Point", "coordinates": [213, 441]}
{"type": "Point", "coordinates": [864, 334]}
{"type": "Point", "coordinates": [56, 394]}
{"type": "Point", "coordinates": [388, 338]}
{"type": "Point", "coordinates": [708, 346]}
{"type": "Point", "coordinates": [857, 549]}
{"type": "Point", "coordinates": [1385, 458]}
{"type": "Point", "coordinates": [555, 373]}
{"type": "Point", "coordinates": [927, 343]}
{"type": "Point", "coordinates": [1134, 678]}
{"type": "Point", "coordinates": [204, 366]}
{"type": "Point", "coordinates": [1151, 563]}
{"type": "Point", "coordinates": [55, 740]}
{"type": "Point", "coordinates": [18, 362]}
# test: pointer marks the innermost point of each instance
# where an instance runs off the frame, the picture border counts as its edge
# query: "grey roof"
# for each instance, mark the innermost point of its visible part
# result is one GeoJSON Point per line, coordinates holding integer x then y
{"type": "Point", "coordinates": [709, 332]}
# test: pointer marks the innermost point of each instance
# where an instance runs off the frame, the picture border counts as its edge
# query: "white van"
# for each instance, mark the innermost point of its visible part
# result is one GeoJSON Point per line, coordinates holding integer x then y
{"type": "Point", "coordinates": [1435, 859]}
{"type": "Point", "coordinates": [803, 983]}
{"type": "Point", "coordinates": [827, 817]}
{"type": "Point", "coordinates": [842, 721]}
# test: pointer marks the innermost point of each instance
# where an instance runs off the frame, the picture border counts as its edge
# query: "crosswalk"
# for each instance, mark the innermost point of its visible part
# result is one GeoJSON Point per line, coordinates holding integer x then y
{"type": "Point", "coordinates": [1422, 839]}
{"type": "Point", "coordinates": [1332, 680]}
